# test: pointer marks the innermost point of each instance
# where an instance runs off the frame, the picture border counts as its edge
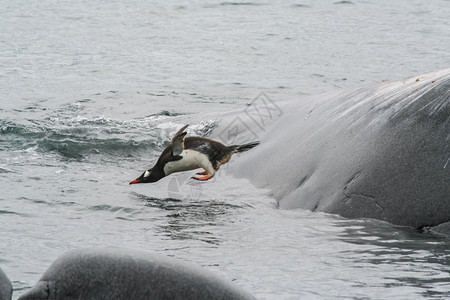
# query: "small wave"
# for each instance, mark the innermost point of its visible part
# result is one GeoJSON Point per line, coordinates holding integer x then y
{"type": "Point", "coordinates": [7, 212]}
{"type": "Point", "coordinates": [72, 142]}
{"type": "Point", "coordinates": [120, 212]}
{"type": "Point", "coordinates": [343, 2]}
{"type": "Point", "coordinates": [37, 201]}
{"type": "Point", "coordinates": [204, 128]}
{"type": "Point", "coordinates": [166, 113]}
{"type": "Point", "coordinates": [171, 204]}
{"type": "Point", "coordinates": [164, 203]}
{"type": "Point", "coordinates": [190, 219]}
{"type": "Point", "coordinates": [80, 148]}
{"type": "Point", "coordinates": [6, 170]}
{"type": "Point", "coordinates": [20, 285]}
{"type": "Point", "coordinates": [240, 3]}
{"type": "Point", "coordinates": [80, 137]}
{"type": "Point", "coordinates": [106, 207]}
{"type": "Point", "coordinates": [300, 5]}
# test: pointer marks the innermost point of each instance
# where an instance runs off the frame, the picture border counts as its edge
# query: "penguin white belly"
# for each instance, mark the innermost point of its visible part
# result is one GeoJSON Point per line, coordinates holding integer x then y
{"type": "Point", "coordinates": [191, 160]}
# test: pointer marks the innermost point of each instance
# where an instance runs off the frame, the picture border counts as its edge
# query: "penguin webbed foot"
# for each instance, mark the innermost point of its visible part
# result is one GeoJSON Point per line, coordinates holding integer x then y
{"type": "Point", "coordinates": [204, 178]}
{"type": "Point", "coordinates": [202, 173]}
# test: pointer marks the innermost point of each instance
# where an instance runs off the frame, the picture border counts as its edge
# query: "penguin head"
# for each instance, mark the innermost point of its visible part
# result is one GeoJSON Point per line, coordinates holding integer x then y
{"type": "Point", "coordinates": [151, 175]}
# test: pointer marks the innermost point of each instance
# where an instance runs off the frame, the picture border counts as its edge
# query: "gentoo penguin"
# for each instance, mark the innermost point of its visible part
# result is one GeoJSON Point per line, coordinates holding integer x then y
{"type": "Point", "coordinates": [189, 153]}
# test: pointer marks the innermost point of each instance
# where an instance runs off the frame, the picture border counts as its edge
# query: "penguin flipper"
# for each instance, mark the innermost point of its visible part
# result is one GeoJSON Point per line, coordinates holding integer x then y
{"type": "Point", "coordinates": [178, 141]}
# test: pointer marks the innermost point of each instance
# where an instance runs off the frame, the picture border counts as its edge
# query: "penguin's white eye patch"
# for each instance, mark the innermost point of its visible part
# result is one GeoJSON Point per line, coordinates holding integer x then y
{"type": "Point", "coordinates": [146, 174]}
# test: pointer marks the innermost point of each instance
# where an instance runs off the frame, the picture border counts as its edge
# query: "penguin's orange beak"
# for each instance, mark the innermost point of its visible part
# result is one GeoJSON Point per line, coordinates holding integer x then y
{"type": "Point", "coordinates": [135, 181]}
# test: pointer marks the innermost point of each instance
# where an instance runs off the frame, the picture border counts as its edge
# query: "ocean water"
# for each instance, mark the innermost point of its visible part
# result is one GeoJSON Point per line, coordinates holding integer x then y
{"type": "Point", "coordinates": [92, 91]}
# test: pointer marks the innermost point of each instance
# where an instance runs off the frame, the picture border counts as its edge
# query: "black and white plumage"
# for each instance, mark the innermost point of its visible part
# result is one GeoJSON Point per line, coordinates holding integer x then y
{"type": "Point", "coordinates": [189, 153]}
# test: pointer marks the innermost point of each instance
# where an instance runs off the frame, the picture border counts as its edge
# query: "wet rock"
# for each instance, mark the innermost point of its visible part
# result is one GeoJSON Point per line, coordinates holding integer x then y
{"type": "Point", "coordinates": [5, 287]}
{"type": "Point", "coordinates": [115, 273]}
{"type": "Point", "coordinates": [378, 152]}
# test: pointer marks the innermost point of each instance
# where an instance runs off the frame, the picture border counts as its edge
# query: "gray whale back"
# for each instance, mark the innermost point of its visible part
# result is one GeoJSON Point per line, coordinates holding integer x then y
{"type": "Point", "coordinates": [380, 152]}
{"type": "Point", "coordinates": [115, 273]}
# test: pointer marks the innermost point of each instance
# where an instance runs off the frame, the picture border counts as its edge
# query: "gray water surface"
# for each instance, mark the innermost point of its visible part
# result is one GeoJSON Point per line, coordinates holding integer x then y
{"type": "Point", "coordinates": [91, 92]}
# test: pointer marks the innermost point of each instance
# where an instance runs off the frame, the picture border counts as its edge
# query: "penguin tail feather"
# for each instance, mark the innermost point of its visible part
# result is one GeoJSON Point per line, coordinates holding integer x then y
{"type": "Point", "coordinates": [244, 147]}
